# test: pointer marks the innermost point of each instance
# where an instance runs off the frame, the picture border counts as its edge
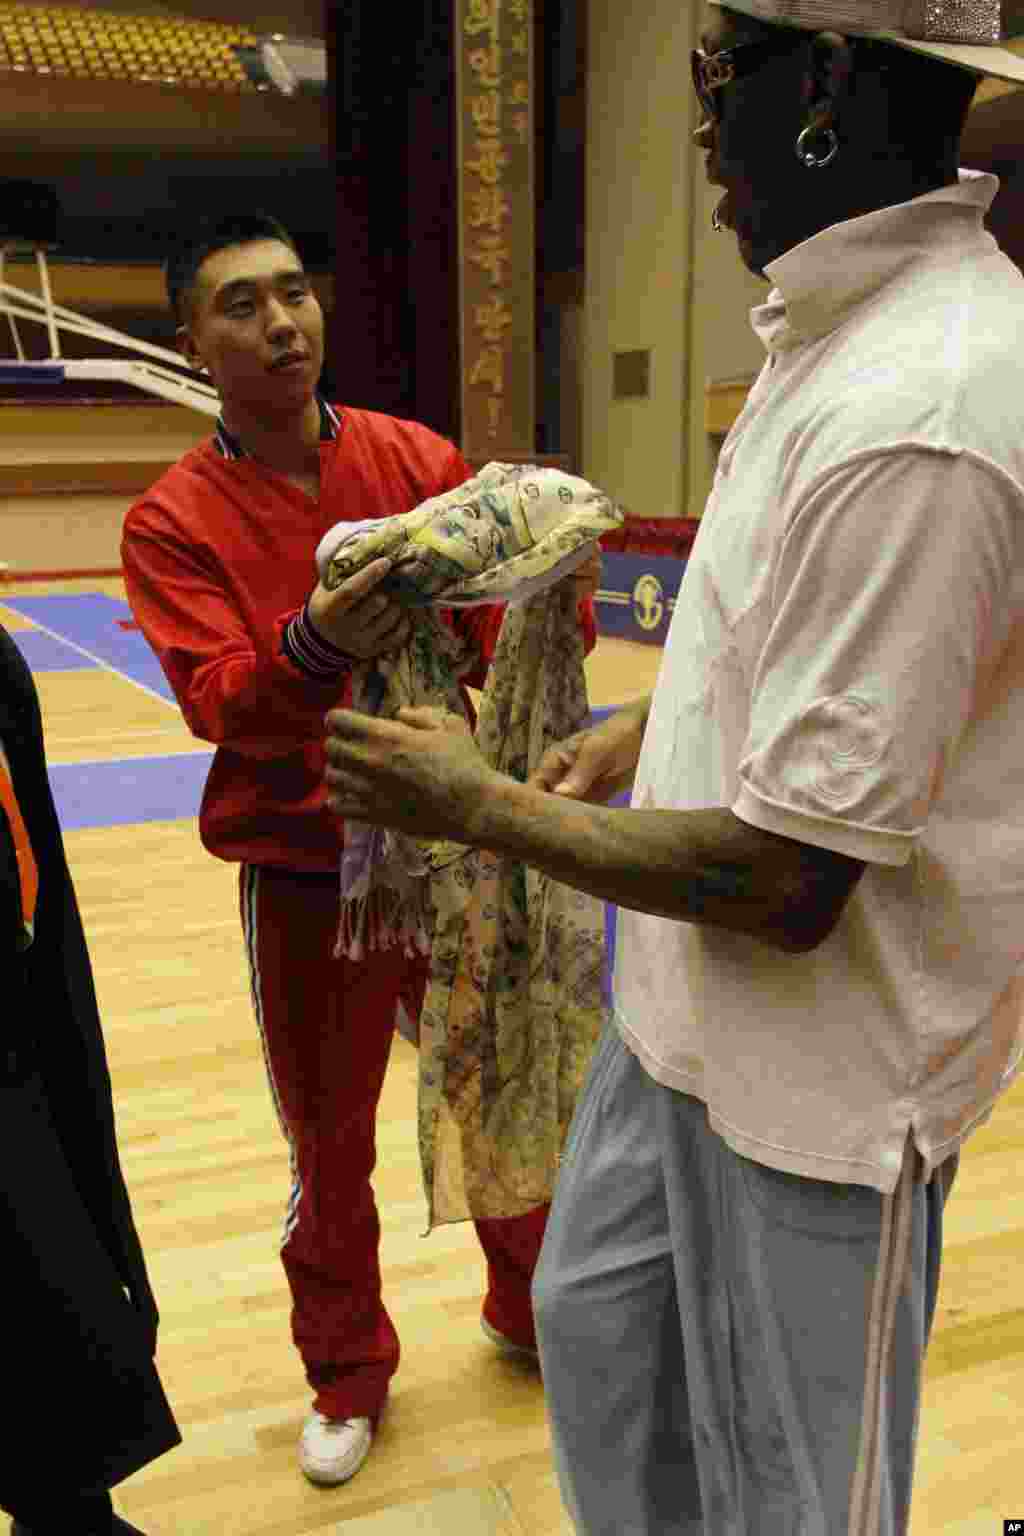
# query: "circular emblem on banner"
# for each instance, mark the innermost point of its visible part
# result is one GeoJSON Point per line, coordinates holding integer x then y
{"type": "Point", "coordinates": [648, 602]}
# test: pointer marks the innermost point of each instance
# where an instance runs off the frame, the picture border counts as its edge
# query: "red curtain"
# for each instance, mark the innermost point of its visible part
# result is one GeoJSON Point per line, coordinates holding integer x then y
{"type": "Point", "coordinates": [653, 536]}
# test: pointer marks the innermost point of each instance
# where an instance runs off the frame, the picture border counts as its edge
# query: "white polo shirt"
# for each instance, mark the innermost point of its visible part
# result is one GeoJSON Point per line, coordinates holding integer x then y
{"type": "Point", "coordinates": [845, 666]}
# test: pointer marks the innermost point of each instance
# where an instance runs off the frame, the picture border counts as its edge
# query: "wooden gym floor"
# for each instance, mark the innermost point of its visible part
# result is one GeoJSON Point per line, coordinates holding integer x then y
{"type": "Point", "coordinates": [463, 1449]}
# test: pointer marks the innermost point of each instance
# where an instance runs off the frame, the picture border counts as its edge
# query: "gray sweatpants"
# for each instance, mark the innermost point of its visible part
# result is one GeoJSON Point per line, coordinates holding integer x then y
{"type": "Point", "coordinates": [727, 1350]}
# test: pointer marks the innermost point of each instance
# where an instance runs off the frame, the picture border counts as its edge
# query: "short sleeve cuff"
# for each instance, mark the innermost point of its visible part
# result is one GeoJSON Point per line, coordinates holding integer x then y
{"type": "Point", "coordinates": [310, 652]}
{"type": "Point", "coordinates": [865, 843]}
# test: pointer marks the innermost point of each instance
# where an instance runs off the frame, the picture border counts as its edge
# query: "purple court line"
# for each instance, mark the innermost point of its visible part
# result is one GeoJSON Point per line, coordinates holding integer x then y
{"type": "Point", "coordinates": [129, 791]}
{"type": "Point", "coordinates": [114, 791]}
{"type": "Point", "coordinates": [29, 608]}
{"type": "Point", "coordinates": [44, 654]}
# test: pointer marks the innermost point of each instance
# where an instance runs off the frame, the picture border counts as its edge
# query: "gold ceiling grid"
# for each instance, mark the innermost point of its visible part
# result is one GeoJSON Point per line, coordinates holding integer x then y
{"type": "Point", "coordinates": [91, 45]}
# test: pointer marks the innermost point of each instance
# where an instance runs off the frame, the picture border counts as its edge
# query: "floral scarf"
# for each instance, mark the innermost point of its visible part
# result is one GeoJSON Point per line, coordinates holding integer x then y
{"type": "Point", "coordinates": [514, 1004]}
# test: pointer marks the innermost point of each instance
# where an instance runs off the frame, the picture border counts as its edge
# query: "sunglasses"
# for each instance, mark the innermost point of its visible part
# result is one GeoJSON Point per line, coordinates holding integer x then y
{"type": "Point", "coordinates": [713, 70]}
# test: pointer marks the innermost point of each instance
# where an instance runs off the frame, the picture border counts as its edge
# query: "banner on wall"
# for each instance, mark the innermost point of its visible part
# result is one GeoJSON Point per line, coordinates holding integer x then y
{"type": "Point", "coordinates": [497, 221]}
{"type": "Point", "coordinates": [637, 596]}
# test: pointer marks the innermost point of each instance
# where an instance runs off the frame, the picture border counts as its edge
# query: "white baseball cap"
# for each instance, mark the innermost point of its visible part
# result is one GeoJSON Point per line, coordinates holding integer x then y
{"type": "Point", "coordinates": [964, 32]}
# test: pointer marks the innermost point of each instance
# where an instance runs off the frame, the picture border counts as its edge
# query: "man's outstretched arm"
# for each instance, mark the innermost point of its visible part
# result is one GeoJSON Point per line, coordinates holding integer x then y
{"type": "Point", "coordinates": [422, 774]}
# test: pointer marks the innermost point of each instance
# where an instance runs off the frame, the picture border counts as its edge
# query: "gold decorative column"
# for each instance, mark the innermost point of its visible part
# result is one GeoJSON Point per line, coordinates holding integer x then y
{"type": "Point", "coordinates": [496, 213]}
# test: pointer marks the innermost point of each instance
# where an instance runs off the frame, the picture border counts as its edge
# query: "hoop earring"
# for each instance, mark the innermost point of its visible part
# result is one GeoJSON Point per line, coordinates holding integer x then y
{"type": "Point", "coordinates": [807, 157]}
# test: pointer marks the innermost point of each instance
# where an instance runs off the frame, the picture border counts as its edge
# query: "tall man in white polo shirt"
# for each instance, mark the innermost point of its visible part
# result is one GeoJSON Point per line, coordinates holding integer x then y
{"type": "Point", "coordinates": [818, 988]}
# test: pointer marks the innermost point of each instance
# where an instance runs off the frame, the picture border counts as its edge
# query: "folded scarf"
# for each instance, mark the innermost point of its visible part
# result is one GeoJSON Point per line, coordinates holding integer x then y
{"type": "Point", "coordinates": [514, 1004]}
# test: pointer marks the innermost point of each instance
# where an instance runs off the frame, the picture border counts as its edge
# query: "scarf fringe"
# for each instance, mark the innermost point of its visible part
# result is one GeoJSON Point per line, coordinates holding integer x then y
{"type": "Point", "coordinates": [385, 919]}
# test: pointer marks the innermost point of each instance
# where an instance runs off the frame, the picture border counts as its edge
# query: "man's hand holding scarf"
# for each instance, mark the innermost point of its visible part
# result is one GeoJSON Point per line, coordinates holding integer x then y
{"type": "Point", "coordinates": [358, 619]}
{"type": "Point", "coordinates": [366, 623]}
{"type": "Point", "coordinates": [420, 772]}
{"type": "Point", "coordinates": [599, 762]}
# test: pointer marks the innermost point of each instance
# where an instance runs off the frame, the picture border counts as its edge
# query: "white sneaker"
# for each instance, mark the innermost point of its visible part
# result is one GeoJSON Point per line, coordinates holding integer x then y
{"type": "Point", "coordinates": [506, 1345]}
{"type": "Point", "coordinates": [332, 1450]}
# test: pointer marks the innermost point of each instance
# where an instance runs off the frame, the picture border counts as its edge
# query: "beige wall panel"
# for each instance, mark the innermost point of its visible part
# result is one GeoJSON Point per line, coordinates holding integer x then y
{"type": "Point", "coordinates": [115, 433]}
{"type": "Point", "coordinates": [61, 533]}
{"type": "Point", "coordinates": [722, 344]}
{"type": "Point", "coordinates": [639, 173]}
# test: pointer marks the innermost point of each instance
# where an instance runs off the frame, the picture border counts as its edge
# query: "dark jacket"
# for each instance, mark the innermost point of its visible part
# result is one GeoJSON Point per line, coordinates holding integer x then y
{"type": "Point", "coordinates": [79, 1321]}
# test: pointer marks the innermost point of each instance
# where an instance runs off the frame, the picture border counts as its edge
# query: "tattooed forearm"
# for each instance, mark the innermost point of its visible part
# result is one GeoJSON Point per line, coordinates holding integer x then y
{"type": "Point", "coordinates": [717, 883]}
{"type": "Point", "coordinates": [705, 867]}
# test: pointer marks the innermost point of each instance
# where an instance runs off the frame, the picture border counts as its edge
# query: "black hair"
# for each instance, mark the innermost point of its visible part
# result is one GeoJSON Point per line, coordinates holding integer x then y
{"type": "Point", "coordinates": [913, 78]}
{"type": "Point", "coordinates": [204, 239]}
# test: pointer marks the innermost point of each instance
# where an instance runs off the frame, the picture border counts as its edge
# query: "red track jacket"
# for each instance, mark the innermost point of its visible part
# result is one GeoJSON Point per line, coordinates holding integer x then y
{"type": "Point", "coordinates": [218, 560]}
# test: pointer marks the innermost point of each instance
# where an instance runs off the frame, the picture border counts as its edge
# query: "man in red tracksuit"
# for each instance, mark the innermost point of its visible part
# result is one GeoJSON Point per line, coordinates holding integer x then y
{"type": "Point", "coordinates": [219, 569]}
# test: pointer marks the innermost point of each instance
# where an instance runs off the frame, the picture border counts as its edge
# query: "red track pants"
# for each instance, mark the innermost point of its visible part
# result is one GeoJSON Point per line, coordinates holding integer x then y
{"type": "Point", "coordinates": [326, 1027]}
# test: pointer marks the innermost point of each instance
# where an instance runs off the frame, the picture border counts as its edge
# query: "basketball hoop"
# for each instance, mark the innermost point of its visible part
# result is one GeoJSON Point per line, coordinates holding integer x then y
{"type": "Point", "coordinates": [158, 371]}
